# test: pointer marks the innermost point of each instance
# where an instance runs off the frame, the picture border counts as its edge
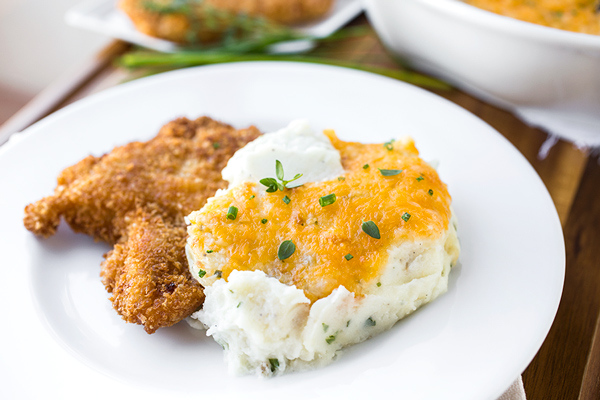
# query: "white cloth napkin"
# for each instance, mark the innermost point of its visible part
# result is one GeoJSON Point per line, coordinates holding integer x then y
{"type": "Point", "coordinates": [584, 132]}
{"type": "Point", "coordinates": [515, 391]}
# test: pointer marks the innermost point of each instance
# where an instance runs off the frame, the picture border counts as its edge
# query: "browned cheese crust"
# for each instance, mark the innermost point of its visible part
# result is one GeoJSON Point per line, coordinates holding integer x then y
{"type": "Point", "coordinates": [177, 27]}
{"type": "Point", "coordinates": [136, 197]}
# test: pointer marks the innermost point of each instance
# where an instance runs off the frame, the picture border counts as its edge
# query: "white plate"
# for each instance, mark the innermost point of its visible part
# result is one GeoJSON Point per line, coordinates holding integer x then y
{"type": "Point", "coordinates": [61, 338]}
{"type": "Point", "coordinates": [103, 16]}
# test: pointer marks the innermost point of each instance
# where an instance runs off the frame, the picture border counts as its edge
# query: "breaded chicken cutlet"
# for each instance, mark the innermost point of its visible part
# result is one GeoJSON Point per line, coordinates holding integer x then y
{"type": "Point", "coordinates": [136, 198]}
{"type": "Point", "coordinates": [189, 21]}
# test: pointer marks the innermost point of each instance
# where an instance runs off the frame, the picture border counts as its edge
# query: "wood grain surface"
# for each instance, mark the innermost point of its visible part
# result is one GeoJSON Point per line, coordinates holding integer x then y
{"type": "Point", "coordinates": [568, 364]}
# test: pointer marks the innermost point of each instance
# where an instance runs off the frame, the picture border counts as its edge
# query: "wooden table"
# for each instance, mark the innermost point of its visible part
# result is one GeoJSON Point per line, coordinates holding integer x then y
{"type": "Point", "coordinates": [568, 364]}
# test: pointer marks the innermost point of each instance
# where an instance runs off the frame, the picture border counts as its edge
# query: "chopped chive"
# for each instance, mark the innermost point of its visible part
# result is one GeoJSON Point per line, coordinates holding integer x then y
{"type": "Point", "coordinates": [341, 178]}
{"type": "Point", "coordinates": [348, 257]}
{"type": "Point", "coordinates": [239, 304]}
{"type": "Point", "coordinates": [370, 322]}
{"type": "Point", "coordinates": [251, 197]}
{"type": "Point", "coordinates": [371, 229]}
{"type": "Point", "coordinates": [389, 172]}
{"type": "Point", "coordinates": [232, 213]}
{"type": "Point", "coordinates": [325, 327]}
{"type": "Point", "coordinates": [348, 323]}
{"type": "Point", "coordinates": [201, 273]}
{"type": "Point", "coordinates": [210, 251]}
{"type": "Point", "coordinates": [420, 178]}
{"type": "Point", "coordinates": [274, 364]}
{"type": "Point", "coordinates": [286, 200]}
{"type": "Point", "coordinates": [216, 145]}
{"type": "Point", "coordinates": [430, 192]}
{"type": "Point", "coordinates": [389, 145]}
{"type": "Point", "coordinates": [378, 284]}
{"type": "Point", "coordinates": [218, 274]}
{"type": "Point", "coordinates": [365, 166]}
{"type": "Point", "coordinates": [264, 221]}
{"type": "Point", "coordinates": [330, 339]}
{"type": "Point", "coordinates": [406, 216]}
{"type": "Point", "coordinates": [286, 249]}
{"type": "Point", "coordinates": [327, 200]}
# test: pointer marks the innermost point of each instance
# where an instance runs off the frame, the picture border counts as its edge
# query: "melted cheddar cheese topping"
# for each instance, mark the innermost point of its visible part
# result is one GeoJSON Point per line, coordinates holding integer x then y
{"type": "Point", "coordinates": [323, 236]}
{"type": "Point", "coordinates": [571, 15]}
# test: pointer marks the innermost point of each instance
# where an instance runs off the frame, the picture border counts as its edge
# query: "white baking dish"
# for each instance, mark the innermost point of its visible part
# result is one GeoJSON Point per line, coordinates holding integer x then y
{"type": "Point", "coordinates": [550, 77]}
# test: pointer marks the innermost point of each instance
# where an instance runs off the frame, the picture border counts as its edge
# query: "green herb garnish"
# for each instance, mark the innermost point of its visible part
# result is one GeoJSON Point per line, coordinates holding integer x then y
{"type": "Point", "coordinates": [430, 192]}
{"type": "Point", "coordinates": [239, 304]}
{"type": "Point", "coordinates": [365, 166]}
{"type": "Point", "coordinates": [232, 213]}
{"type": "Point", "coordinates": [348, 323]}
{"type": "Point", "coordinates": [264, 221]}
{"type": "Point", "coordinates": [251, 197]}
{"type": "Point", "coordinates": [420, 178]}
{"type": "Point", "coordinates": [216, 145]}
{"type": "Point", "coordinates": [272, 184]}
{"type": "Point", "coordinates": [389, 172]}
{"type": "Point", "coordinates": [378, 284]}
{"type": "Point", "coordinates": [210, 251]}
{"type": "Point", "coordinates": [330, 339]}
{"type": "Point", "coordinates": [325, 327]}
{"type": "Point", "coordinates": [218, 274]}
{"type": "Point", "coordinates": [406, 216]}
{"type": "Point", "coordinates": [371, 229]}
{"type": "Point", "coordinates": [201, 273]}
{"type": "Point", "coordinates": [348, 257]}
{"type": "Point", "coordinates": [286, 249]}
{"type": "Point", "coordinates": [389, 145]}
{"type": "Point", "coordinates": [286, 200]}
{"type": "Point", "coordinates": [274, 364]}
{"type": "Point", "coordinates": [341, 179]}
{"type": "Point", "coordinates": [370, 322]}
{"type": "Point", "coordinates": [327, 200]}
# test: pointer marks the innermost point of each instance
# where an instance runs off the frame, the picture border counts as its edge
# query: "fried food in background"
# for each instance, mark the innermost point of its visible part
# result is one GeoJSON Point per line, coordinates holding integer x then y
{"type": "Point", "coordinates": [136, 197]}
{"type": "Point", "coordinates": [191, 21]}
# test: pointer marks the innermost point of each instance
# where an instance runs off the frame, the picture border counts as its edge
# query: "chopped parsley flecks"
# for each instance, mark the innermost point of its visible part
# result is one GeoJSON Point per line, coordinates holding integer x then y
{"type": "Point", "coordinates": [371, 229]}
{"type": "Point", "coordinates": [286, 249]}
{"type": "Point", "coordinates": [239, 304]}
{"type": "Point", "coordinates": [389, 145]}
{"type": "Point", "coordinates": [274, 364]}
{"type": "Point", "coordinates": [348, 323]}
{"type": "Point", "coordinates": [286, 200]}
{"type": "Point", "coordinates": [327, 200]}
{"type": "Point", "coordinates": [406, 217]}
{"type": "Point", "coordinates": [264, 221]}
{"type": "Point", "coordinates": [325, 327]}
{"type": "Point", "coordinates": [232, 213]}
{"type": "Point", "coordinates": [251, 197]}
{"type": "Point", "coordinates": [348, 257]}
{"type": "Point", "coordinates": [218, 274]}
{"type": "Point", "coordinates": [378, 284]}
{"type": "Point", "coordinates": [341, 179]}
{"type": "Point", "coordinates": [209, 251]}
{"type": "Point", "coordinates": [272, 184]}
{"type": "Point", "coordinates": [420, 178]}
{"type": "Point", "coordinates": [330, 339]}
{"type": "Point", "coordinates": [370, 322]}
{"type": "Point", "coordinates": [216, 145]}
{"type": "Point", "coordinates": [430, 192]}
{"type": "Point", "coordinates": [390, 172]}
{"type": "Point", "coordinates": [365, 166]}
{"type": "Point", "coordinates": [201, 273]}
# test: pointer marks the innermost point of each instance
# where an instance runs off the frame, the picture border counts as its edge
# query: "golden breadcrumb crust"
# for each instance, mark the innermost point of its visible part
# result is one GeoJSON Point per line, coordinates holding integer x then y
{"type": "Point", "coordinates": [136, 197]}
{"type": "Point", "coordinates": [193, 26]}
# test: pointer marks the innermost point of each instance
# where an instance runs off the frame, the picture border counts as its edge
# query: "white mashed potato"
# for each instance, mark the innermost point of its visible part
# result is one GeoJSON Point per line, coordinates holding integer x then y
{"type": "Point", "coordinates": [267, 327]}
